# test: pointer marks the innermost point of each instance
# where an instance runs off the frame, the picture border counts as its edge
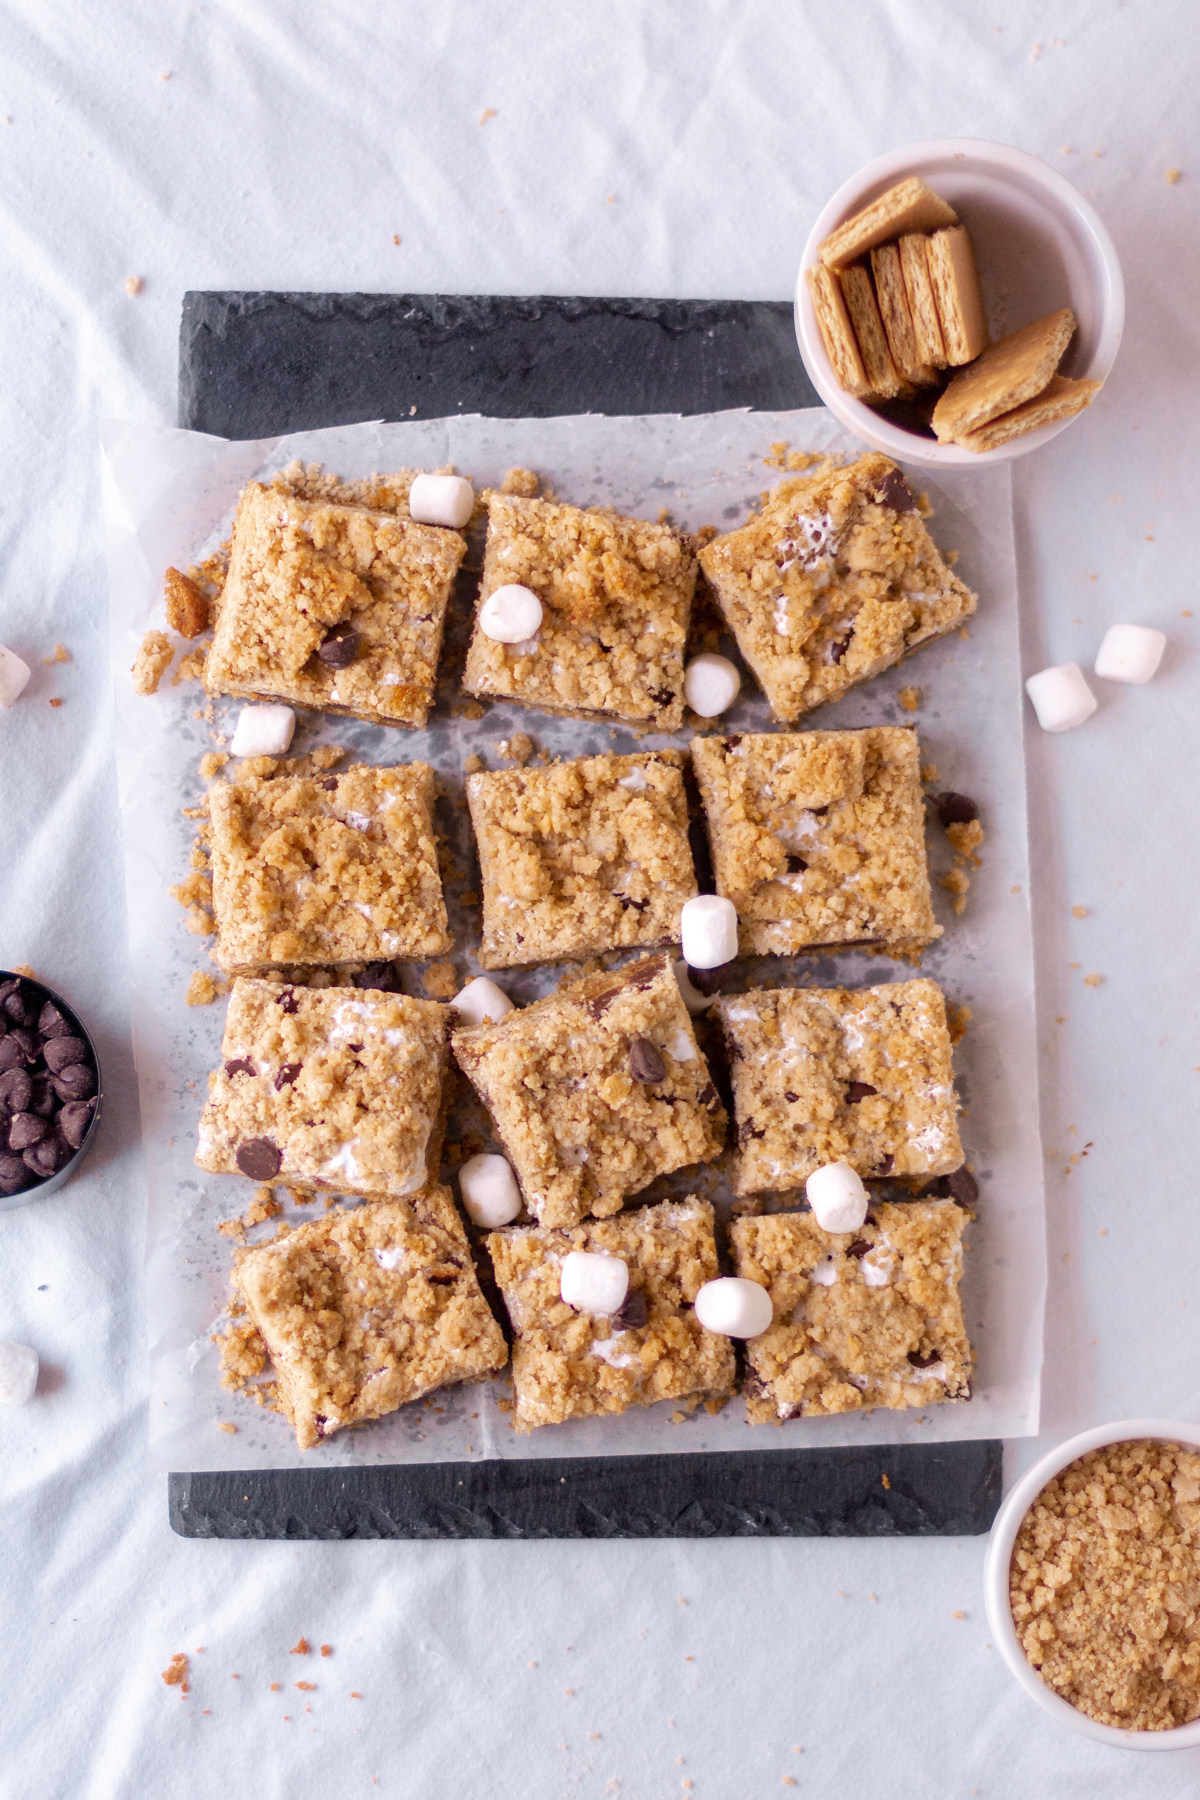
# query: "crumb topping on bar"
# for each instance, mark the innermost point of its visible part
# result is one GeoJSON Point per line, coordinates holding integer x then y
{"type": "Point", "coordinates": [861, 1319]}
{"type": "Point", "coordinates": [833, 581]}
{"type": "Point", "coordinates": [569, 1364]}
{"type": "Point", "coordinates": [340, 1088]}
{"type": "Point", "coordinates": [617, 596]}
{"type": "Point", "coordinates": [583, 856]}
{"type": "Point", "coordinates": [584, 1117]}
{"type": "Point", "coordinates": [818, 837]}
{"type": "Point", "coordinates": [326, 869]}
{"type": "Point", "coordinates": [857, 1075]}
{"type": "Point", "coordinates": [367, 1309]}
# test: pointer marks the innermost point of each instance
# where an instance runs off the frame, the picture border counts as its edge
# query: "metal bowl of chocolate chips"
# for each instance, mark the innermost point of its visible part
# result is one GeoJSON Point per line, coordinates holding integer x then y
{"type": "Point", "coordinates": [49, 1090]}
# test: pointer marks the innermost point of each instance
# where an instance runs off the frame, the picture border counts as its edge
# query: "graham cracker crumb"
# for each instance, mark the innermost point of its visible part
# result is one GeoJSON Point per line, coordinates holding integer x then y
{"type": "Point", "coordinates": [211, 763]}
{"type": "Point", "coordinates": [929, 772]}
{"type": "Point", "coordinates": [56, 703]}
{"type": "Point", "coordinates": [1173, 176]}
{"type": "Point", "coordinates": [489, 112]}
{"type": "Point", "coordinates": [300, 1648]}
{"type": "Point", "coordinates": [186, 604]}
{"type": "Point", "coordinates": [910, 699]}
{"type": "Point", "coordinates": [440, 981]}
{"type": "Point", "coordinates": [191, 667]}
{"type": "Point", "coordinates": [24, 969]}
{"type": "Point", "coordinates": [225, 1426]}
{"type": "Point", "coordinates": [468, 709]}
{"type": "Point", "coordinates": [151, 662]}
{"type": "Point", "coordinates": [473, 764]}
{"type": "Point", "coordinates": [326, 1649]}
{"type": "Point", "coordinates": [1079, 912]}
{"type": "Point", "coordinates": [133, 286]}
{"type": "Point", "coordinates": [203, 988]}
{"type": "Point", "coordinates": [61, 655]}
{"type": "Point", "coordinates": [517, 749]}
{"type": "Point", "coordinates": [956, 882]}
{"type": "Point", "coordinates": [1093, 980]}
{"type": "Point", "coordinates": [298, 1197]}
{"type": "Point", "coordinates": [522, 482]}
{"type": "Point", "coordinates": [957, 1020]}
{"type": "Point", "coordinates": [966, 839]}
{"type": "Point", "coordinates": [176, 1672]}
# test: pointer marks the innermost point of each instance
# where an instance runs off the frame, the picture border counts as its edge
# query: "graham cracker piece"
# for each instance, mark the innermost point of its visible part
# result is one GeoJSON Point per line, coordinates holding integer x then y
{"type": "Point", "coordinates": [859, 295]}
{"type": "Point", "coordinates": [1060, 399]}
{"type": "Point", "coordinates": [1006, 375]}
{"type": "Point", "coordinates": [922, 302]}
{"type": "Point", "coordinates": [837, 333]}
{"type": "Point", "coordinates": [956, 288]}
{"type": "Point", "coordinates": [897, 317]}
{"type": "Point", "coordinates": [909, 206]}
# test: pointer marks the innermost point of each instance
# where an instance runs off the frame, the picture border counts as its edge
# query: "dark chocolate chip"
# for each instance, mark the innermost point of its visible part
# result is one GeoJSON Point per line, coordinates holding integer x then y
{"type": "Point", "coordinates": [858, 1249]}
{"type": "Point", "coordinates": [329, 783]}
{"type": "Point", "coordinates": [955, 809]}
{"type": "Point", "coordinates": [29, 1041]}
{"type": "Point", "coordinates": [731, 743]}
{"type": "Point", "coordinates": [286, 1076]}
{"type": "Point", "coordinates": [60, 1051]}
{"type": "Point", "coordinates": [14, 1009]}
{"type": "Point", "coordinates": [51, 1023]}
{"type": "Point", "coordinates": [379, 976]}
{"type": "Point", "coordinates": [896, 493]}
{"type": "Point", "coordinates": [11, 986]}
{"type": "Point", "coordinates": [74, 1120]}
{"type": "Point", "coordinates": [886, 1164]}
{"type": "Point", "coordinates": [645, 1062]}
{"type": "Point", "coordinates": [708, 981]}
{"type": "Point", "coordinates": [747, 1130]}
{"type": "Point", "coordinates": [12, 1052]}
{"type": "Point", "coordinates": [599, 1004]}
{"type": "Point", "coordinates": [639, 905]}
{"type": "Point", "coordinates": [662, 696]}
{"type": "Point", "coordinates": [16, 1090]}
{"type": "Point", "coordinates": [239, 1065]}
{"type": "Point", "coordinates": [26, 1129]}
{"type": "Point", "coordinates": [924, 1362]}
{"type": "Point", "coordinates": [44, 1100]}
{"type": "Point", "coordinates": [442, 1279]}
{"type": "Point", "coordinates": [839, 647]}
{"type": "Point", "coordinates": [790, 1097]}
{"type": "Point", "coordinates": [354, 1049]}
{"type": "Point", "coordinates": [634, 1311]}
{"type": "Point", "coordinates": [75, 1082]}
{"type": "Point", "coordinates": [961, 1186]}
{"type": "Point", "coordinates": [707, 1097]}
{"type": "Point", "coordinates": [818, 812]}
{"type": "Point", "coordinates": [859, 1090]}
{"type": "Point", "coordinates": [796, 865]}
{"type": "Point", "coordinates": [47, 1157]}
{"type": "Point", "coordinates": [339, 647]}
{"type": "Point", "coordinates": [259, 1158]}
{"type": "Point", "coordinates": [14, 1175]}
{"type": "Point", "coordinates": [288, 1001]}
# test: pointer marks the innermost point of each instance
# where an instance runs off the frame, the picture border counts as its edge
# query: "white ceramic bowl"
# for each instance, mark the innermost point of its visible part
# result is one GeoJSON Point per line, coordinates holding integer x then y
{"type": "Point", "coordinates": [1038, 245]}
{"type": "Point", "coordinates": [995, 1581]}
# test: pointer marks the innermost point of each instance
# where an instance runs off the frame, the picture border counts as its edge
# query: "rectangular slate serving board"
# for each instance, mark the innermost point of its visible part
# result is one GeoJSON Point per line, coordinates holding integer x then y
{"type": "Point", "coordinates": [258, 364]}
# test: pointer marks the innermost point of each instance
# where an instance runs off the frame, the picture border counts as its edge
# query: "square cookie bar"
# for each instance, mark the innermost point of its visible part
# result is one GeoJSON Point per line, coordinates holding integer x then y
{"type": "Point", "coordinates": [336, 1090]}
{"type": "Point", "coordinates": [581, 857]}
{"type": "Point", "coordinates": [616, 596]}
{"type": "Point", "coordinates": [571, 1365]}
{"type": "Point", "coordinates": [857, 1075]}
{"type": "Point", "coordinates": [596, 1090]}
{"type": "Point", "coordinates": [326, 869]}
{"type": "Point", "coordinates": [367, 1309]}
{"type": "Point", "coordinates": [862, 1319]}
{"type": "Point", "coordinates": [832, 582]}
{"type": "Point", "coordinates": [818, 838]}
{"type": "Point", "coordinates": [334, 607]}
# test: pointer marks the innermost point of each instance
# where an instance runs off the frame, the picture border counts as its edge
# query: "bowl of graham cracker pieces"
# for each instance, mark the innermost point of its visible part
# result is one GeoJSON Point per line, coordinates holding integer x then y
{"type": "Point", "coordinates": [1092, 1584]}
{"type": "Point", "coordinates": [958, 302]}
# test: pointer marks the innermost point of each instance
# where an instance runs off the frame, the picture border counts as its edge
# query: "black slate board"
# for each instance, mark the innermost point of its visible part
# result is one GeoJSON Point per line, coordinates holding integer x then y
{"type": "Point", "coordinates": [255, 364]}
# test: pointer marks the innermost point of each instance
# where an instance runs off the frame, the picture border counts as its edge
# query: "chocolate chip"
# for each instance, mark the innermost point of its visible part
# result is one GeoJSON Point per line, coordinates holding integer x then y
{"type": "Point", "coordinates": [790, 1097]}
{"type": "Point", "coordinates": [645, 1062]}
{"type": "Point", "coordinates": [75, 1082]}
{"type": "Point", "coordinates": [74, 1120]}
{"type": "Point", "coordinates": [662, 696]}
{"type": "Point", "coordinates": [839, 647]}
{"type": "Point", "coordinates": [707, 1097]}
{"type": "Point", "coordinates": [961, 1186]}
{"type": "Point", "coordinates": [13, 1006]}
{"type": "Point", "coordinates": [29, 1042]}
{"type": "Point", "coordinates": [818, 812]}
{"type": "Point", "coordinates": [16, 1091]}
{"type": "Point", "coordinates": [441, 1279]}
{"type": "Point", "coordinates": [26, 1129]}
{"type": "Point", "coordinates": [634, 1311]}
{"type": "Point", "coordinates": [48, 1157]}
{"type": "Point", "coordinates": [286, 1076]}
{"type": "Point", "coordinates": [796, 865]}
{"type": "Point", "coordinates": [12, 1052]}
{"type": "Point", "coordinates": [44, 1101]}
{"type": "Point", "coordinates": [599, 1004]}
{"type": "Point", "coordinates": [339, 647]}
{"type": "Point", "coordinates": [11, 986]}
{"type": "Point", "coordinates": [895, 493]}
{"type": "Point", "coordinates": [51, 1023]}
{"type": "Point", "coordinates": [639, 905]}
{"type": "Point", "coordinates": [731, 743]}
{"type": "Point", "coordinates": [13, 1173]}
{"type": "Point", "coordinates": [886, 1165]}
{"type": "Point", "coordinates": [955, 809]}
{"type": "Point", "coordinates": [239, 1065]}
{"type": "Point", "coordinates": [61, 1051]}
{"type": "Point", "coordinates": [288, 1001]}
{"type": "Point", "coordinates": [381, 977]}
{"type": "Point", "coordinates": [708, 981]}
{"type": "Point", "coordinates": [259, 1159]}
{"type": "Point", "coordinates": [924, 1362]}
{"type": "Point", "coordinates": [329, 783]}
{"type": "Point", "coordinates": [859, 1090]}
{"type": "Point", "coordinates": [747, 1130]}
{"type": "Point", "coordinates": [858, 1249]}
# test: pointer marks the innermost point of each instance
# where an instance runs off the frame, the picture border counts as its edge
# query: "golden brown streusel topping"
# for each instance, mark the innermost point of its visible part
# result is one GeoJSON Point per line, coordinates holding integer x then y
{"type": "Point", "coordinates": [203, 989]}
{"type": "Point", "coordinates": [1104, 1585]}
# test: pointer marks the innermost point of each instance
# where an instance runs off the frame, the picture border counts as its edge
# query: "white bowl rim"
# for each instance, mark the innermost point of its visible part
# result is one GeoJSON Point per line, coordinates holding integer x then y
{"type": "Point", "coordinates": [870, 426]}
{"type": "Point", "coordinates": [995, 1580]}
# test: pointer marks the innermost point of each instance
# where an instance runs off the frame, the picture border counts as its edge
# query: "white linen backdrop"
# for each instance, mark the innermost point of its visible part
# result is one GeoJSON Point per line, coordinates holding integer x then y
{"type": "Point", "coordinates": [678, 148]}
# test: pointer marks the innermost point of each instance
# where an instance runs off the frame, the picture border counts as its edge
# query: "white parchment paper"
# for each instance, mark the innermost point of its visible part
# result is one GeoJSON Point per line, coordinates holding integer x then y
{"type": "Point", "coordinates": [169, 498]}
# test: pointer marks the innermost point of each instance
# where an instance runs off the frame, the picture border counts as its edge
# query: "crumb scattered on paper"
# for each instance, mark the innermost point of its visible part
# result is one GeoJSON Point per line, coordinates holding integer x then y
{"type": "Point", "coordinates": [909, 698]}
{"type": "Point", "coordinates": [134, 285]}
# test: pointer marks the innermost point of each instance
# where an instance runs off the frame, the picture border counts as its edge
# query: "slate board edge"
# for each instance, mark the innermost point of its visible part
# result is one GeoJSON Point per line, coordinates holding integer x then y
{"type": "Point", "coordinates": [950, 1489]}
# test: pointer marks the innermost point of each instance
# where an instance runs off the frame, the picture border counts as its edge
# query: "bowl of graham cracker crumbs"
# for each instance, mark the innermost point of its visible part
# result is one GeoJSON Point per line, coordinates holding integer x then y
{"type": "Point", "coordinates": [1092, 1583]}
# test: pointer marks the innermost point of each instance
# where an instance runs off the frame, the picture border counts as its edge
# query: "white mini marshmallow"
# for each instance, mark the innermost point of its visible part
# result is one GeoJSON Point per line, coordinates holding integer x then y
{"type": "Point", "coordinates": [481, 999]}
{"type": "Point", "coordinates": [708, 930]}
{"type": "Point", "coordinates": [837, 1196]}
{"type": "Point", "coordinates": [263, 731]}
{"type": "Point", "coordinates": [1061, 697]}
{"type": "Point", "coordinates": [734, 1307]}
{"type": "Point", "coordinates": [711, 684]}
{"type": "Point", "coordinates": [489, 1191]}
{"type": "Point", "coordinates": [13, 676]}
{"type": "Point", "coordinates": [693, 999]}
{"type": "Point", "coordinates": [441, 500]}
{"type": "Point", "coordinates": [592, 1283]}
{"type": "Point", "coordinates": [1130, 653]}
{"type": "Point", "coordinates": [18, 1373]}
{"type": "Point", "coordinates": [510, 614]}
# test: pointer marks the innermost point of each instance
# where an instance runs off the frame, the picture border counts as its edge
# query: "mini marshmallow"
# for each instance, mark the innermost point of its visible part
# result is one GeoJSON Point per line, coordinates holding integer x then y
{"type": "Point", "coordinates": [1130, 653]}
{"type": "Point", "coordinates": [510, 614]}
{"type": "Point", "coordinates": [13, 676]}
{"type": "Point", "coordinates": [734, 1307]}
{"type": "Point", "coordinates": [692, 998]}
{"type": "Point", "coordinates": [441, 500]}
{"type": "Point", "coordinates": [592, 1283]}
{"type": "Point", "coordinates": [18, 1373]}
{"type": "Point", "coordinates": [711, 684]}
{"type": "Point", "coordinates": [489, 1191]}
{"type": "Point", "coordinates": [708, 929]}
{"type": "Point", "coordinates": [481, 1000]}
{"type": "Point", "coordinates": [263, 731]}
{"type": "Point", "coordinates": [837, 1196]}
{"type": "Point", "coordinates": [1061, 697]}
